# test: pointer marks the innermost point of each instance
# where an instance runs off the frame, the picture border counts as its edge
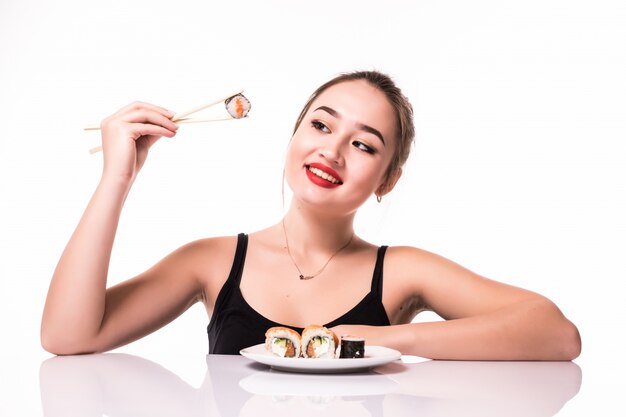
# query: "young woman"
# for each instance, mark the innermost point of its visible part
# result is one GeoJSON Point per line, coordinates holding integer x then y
{"type": "Point", "coordinates": [349, 143]}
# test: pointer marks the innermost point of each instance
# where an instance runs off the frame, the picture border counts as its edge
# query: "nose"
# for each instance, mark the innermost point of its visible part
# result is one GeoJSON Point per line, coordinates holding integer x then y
{"type": "Point", "coordinates": [332, 151]}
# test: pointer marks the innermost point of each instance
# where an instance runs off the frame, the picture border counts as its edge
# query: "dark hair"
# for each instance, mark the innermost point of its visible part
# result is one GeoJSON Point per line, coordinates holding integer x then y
{"type": "Point", "coordinates": [405, 130]}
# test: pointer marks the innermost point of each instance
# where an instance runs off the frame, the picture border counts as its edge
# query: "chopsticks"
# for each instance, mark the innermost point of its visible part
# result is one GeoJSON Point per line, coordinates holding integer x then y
{"type": "Point", "coordinates": [179, 121]}
{"type": "Point", "coordinates": [181, 117]}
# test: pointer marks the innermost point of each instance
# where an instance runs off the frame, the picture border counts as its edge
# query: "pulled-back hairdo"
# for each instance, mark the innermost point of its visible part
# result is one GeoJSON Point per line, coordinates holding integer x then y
{"type": "Point", "coordinates": [405, 130]}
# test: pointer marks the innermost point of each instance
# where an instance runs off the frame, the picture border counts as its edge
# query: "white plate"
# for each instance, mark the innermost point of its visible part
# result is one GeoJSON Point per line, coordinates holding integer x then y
{"type": "Point", "coordinates": [374, 356]}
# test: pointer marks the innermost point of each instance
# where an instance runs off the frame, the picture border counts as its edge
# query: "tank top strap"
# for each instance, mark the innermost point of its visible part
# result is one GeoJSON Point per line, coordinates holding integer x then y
{"type": "Point", "coordinates": [377, 279]}
{"type": "Point", "coordinates": [234, 278]}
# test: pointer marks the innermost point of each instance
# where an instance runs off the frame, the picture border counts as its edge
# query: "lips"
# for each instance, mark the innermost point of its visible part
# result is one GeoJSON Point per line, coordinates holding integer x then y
{"type": "Point", "coordinates": [323, 176]}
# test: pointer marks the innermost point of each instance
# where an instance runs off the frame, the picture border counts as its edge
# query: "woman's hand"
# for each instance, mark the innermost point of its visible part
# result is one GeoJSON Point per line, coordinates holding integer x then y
{"type": "Point", "coordinates": [128, 134]}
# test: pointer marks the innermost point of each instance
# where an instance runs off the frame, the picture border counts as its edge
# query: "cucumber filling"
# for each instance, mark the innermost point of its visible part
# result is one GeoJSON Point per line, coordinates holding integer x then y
{"type": "Point", "coordinates": [282, 347]}
{"type": "Point", "coordinates": [320, 346]}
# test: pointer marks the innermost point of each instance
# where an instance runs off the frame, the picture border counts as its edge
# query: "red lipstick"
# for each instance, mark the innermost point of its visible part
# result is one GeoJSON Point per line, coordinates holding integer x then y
{"type": "Point", "coordinates": [314, 170]}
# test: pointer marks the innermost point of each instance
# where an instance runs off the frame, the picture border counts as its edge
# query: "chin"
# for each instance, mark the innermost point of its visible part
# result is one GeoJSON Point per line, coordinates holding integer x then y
{"type": "Point", "coordinates": [325, 204]}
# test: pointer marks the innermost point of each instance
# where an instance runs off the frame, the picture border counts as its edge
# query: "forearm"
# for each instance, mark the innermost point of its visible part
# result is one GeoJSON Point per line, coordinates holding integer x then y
{"type": "Point", "coordinates": [533, 330]}
{"type": "Point", "coordinates": [76, 297]}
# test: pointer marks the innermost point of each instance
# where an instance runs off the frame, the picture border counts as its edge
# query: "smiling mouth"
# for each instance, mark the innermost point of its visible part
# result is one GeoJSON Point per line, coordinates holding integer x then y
{"type": "Point", "coordinates": [324, 175]}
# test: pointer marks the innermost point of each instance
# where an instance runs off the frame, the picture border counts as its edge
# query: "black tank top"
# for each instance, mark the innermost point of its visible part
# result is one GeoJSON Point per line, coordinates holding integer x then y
{"type": "Point", "coordinates": [235, 325]}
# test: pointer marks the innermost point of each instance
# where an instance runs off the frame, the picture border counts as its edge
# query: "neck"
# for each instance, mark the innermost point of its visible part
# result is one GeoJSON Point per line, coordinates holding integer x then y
{"type": "Point", "coordinates": [313, 233]}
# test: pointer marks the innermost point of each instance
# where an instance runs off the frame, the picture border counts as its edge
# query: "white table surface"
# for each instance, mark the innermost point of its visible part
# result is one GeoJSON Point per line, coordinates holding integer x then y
{"type": "Point", "coordinates": [119, 384]}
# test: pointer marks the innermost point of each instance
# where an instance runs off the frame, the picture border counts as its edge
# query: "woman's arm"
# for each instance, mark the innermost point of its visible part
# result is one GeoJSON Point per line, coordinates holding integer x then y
{"type": "Point", "coordinates": [484, 319]}
{"type": "Point", "coordinates": [80, 315]}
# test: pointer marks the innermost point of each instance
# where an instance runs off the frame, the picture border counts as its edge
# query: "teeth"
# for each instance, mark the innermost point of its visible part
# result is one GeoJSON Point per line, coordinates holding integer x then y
{"type": "Point", "coordinates": [323, 175]}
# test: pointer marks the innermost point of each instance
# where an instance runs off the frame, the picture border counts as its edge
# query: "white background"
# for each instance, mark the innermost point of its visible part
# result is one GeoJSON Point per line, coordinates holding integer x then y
{"type": "Point", "coordinates": [518, 172]}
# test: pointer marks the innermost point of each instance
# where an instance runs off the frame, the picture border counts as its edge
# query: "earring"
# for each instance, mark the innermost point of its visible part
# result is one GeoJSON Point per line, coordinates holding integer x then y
{"type": "Point", "coordinates": [379, 198]}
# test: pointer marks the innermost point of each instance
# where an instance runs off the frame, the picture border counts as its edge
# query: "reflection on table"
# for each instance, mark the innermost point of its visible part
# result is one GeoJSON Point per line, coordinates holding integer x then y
{"type": "Point", "coordinates": [119, 385]}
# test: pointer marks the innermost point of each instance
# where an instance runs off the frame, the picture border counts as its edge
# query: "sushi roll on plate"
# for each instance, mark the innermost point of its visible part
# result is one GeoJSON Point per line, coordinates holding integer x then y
{"type": "Point", "coordinates": [352, 347]}
{"type": "Point", "coordinates": [283, 342]}
{"type": "Point", "coordinates": [319, 342]}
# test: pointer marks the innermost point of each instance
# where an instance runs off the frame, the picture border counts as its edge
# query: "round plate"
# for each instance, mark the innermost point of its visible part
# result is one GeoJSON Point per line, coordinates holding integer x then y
{"type": "Point", "coordinates": [374, 356]}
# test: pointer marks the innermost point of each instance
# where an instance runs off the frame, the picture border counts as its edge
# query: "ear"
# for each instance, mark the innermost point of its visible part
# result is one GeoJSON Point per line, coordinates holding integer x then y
{"type": "Point", "coordinates": [390, 183]}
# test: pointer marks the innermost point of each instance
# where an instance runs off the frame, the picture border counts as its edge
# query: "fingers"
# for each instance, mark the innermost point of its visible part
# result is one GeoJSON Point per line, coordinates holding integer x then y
{"type": "Point", "coordinates": [141, 116]}
{"type": "Point", "coordinates": [148, 129]}
{"type": "Point", "coordinates": [140, 105]}
{"type": "Point", "coordinates": [128, 134]}
{"type": "Point", "coordinates": [145, 118]}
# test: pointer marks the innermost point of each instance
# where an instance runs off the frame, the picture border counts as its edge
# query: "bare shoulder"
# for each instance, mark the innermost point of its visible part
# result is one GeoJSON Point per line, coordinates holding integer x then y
{"type": "Point", "coordinates": [410, 275]}
{"type": "Point", "coordinates": [415, 264]}
{"type": "Point", "coordinates": [208, 260]}
{"type": "Point", "coordinates": [210, 247]}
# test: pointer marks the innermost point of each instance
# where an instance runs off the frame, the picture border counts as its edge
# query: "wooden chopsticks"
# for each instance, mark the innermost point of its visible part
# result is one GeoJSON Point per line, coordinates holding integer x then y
{"type": "Point", "coordinates": [181, 117]}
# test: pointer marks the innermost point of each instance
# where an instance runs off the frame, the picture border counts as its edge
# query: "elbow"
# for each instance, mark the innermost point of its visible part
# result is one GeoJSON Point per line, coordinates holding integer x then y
{"type": "Point", "coordinates": [54, 345]}
{"type": "Point", "coordinates": [60, 349]}
{"type": "Point", "coordinates": [61, 346]}
{"type": "Point", "coordinates": [559, 339]}
{"type": "Point", "coordinates": [51, 346]}
{"type": "Point", "coordinates": [564, 338]}
{"type": "Point", "coordinates": [570, 343]}
{"type": "Point", "coordinates": [49, 343]}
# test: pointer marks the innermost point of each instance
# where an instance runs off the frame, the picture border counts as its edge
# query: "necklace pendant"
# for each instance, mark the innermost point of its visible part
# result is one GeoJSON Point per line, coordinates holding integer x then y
{"type": "Point", "coordinates": [307, 277]}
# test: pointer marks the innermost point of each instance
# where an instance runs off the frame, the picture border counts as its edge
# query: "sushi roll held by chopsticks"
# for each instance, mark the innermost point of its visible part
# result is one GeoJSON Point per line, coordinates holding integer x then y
{"type": "Point", "coordinates": [237, 106]}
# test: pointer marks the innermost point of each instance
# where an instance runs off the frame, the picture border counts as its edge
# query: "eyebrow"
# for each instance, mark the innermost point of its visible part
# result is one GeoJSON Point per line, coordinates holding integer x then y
{"type": "Point", "coordinates": [361, 126]}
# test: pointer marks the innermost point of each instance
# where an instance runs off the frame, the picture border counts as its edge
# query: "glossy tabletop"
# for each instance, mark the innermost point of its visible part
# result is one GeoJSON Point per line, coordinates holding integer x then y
{"type": "Point", "coordinates": [118, 384]}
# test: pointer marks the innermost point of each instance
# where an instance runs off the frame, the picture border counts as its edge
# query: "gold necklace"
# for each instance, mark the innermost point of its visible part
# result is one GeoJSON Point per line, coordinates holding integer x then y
{"type": "Point", "coordinates": [306, 277]}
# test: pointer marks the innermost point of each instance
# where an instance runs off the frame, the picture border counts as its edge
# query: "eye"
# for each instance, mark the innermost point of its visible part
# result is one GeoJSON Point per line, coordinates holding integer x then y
{"type": "Point", "coordinates": [317, 125]}
{"type": "Point", "coordinates": [363, 147]}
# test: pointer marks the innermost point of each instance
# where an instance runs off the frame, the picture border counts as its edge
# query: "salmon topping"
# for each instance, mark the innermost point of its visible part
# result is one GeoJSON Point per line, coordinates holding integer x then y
{"type": "Point", "coordinates": [291, 350]}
